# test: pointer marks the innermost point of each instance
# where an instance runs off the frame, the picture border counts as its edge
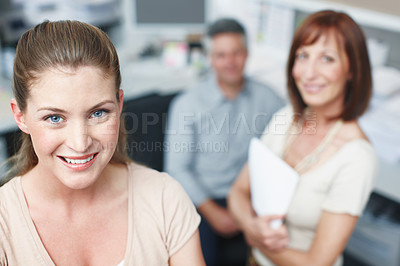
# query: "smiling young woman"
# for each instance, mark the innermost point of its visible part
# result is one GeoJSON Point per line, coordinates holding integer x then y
{"type": "Point", "coordinates": [73, 195]}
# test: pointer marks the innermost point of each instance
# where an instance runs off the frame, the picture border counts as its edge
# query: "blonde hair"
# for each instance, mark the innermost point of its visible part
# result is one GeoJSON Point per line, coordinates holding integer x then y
{"type": "Point", "coordinates": [60, 44]}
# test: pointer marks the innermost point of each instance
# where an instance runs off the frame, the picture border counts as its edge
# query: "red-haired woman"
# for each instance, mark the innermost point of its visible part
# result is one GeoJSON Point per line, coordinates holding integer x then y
{"type": "Point", "coordinates": [329, 83]}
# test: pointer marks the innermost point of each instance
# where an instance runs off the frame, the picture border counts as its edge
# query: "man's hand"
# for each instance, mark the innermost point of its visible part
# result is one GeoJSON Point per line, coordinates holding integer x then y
{"type": "Point", "coordinates": [258, 233]}
{"type": "Point", "coordinates": [219, 218]}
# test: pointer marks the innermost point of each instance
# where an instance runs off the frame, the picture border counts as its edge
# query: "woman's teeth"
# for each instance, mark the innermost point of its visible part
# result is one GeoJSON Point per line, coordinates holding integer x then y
{"type": "Point", "coordinates": [78, 161]}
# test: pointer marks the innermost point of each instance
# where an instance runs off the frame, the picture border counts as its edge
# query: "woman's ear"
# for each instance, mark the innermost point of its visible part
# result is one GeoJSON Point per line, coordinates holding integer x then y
{"type": "Point", "coordinates": [349, 76]}
{"type": "Point", "coordinates": [121, 100]}
{"type": "Point", "coordinates": [18, 116]}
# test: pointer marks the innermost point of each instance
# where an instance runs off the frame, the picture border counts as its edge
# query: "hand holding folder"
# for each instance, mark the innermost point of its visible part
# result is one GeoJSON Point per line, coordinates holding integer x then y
{"type": "Point", "coordinates": [272, 181]}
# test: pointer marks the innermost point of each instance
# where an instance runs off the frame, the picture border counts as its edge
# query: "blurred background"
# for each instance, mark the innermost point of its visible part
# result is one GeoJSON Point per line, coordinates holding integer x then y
{"type": "Point", "coordinates": [160, 45]}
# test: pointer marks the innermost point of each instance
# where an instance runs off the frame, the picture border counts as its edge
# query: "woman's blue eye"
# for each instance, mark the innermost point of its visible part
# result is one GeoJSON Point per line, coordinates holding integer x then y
{"type": "Point", "coordinates": [98, 113]}
{"type": "Point", "coordinates": [328, 59]}
{"type": "Point", "coordinates": [55, 119]}
{"type": "Point", "coordinates": [301, 56]}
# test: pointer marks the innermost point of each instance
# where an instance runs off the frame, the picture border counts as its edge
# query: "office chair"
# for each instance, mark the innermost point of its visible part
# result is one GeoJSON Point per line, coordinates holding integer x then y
{"type": "Point", "coordinates": [145, 120]}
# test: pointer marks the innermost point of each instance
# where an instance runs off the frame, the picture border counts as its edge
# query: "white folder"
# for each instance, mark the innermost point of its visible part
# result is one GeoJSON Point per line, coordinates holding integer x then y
{"type": "Point", "coordinates": [272, 181]}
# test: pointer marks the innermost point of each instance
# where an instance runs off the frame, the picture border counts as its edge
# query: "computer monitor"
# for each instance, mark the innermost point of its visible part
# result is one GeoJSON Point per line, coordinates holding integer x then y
{"type": "Point", "coordinates": [6, 6]}
{"type": "Point", "coordinates": [160, 16]}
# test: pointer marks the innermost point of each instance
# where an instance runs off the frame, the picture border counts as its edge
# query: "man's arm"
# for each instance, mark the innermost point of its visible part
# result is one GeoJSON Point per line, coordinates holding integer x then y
{"type": "Point", "coordinates": [180, 152]}
{"type": "Point", "coordinates": [219, 218]}
{"type": "Point", "coordinates": [179, 162]}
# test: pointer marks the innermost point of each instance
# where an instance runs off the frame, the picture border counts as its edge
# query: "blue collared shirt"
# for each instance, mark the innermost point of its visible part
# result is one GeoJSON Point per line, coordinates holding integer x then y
{"type": "Point", "coordinates": [208, 135]}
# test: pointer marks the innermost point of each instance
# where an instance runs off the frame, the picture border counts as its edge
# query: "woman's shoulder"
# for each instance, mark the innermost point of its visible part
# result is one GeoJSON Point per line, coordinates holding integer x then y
{"type": "Point", "coordinates": [351, 136]}
{"type": "Point", "coordinates": [153, 188]}
{"type": "Point", "coordinates": [283, 117]}
{"type": "Point", "coordinates": [354, 144]}
{"type": "Point", "coordinates": [280, 121]}
{"type": "Point", "coordinates": [140, 171]}
{"type": "Point", "coordinates": [351, 130]}
{"type": "Point", "coordinates": [286, 110]}
{"type": "Point", "coordinates": [8, 190]}
{"type": "Point", "coordinates": [144, 178]}
{"type": "Point", "coordinates": [9, 201]}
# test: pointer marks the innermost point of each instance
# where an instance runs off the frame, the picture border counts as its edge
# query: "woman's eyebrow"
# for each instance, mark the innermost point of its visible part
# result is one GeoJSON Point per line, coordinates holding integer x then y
{"type": "Point", "coordinates": [101, 103]}
{"type": "Point", "coordinates": [53, 109]}
{"type": "Point", "coordinates": [59, 110]}
{"type": "Point", "coordinates": [330, 51]}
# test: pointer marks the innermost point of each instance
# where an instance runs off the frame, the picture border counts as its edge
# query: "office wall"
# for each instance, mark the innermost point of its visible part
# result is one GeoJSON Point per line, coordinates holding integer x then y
{"type": "Point", "coordinates": [386, 6]}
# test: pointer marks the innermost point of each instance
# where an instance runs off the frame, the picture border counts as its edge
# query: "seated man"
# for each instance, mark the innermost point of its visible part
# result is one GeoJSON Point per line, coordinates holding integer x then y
{"type": "Point", "coordinates": [209, 129]}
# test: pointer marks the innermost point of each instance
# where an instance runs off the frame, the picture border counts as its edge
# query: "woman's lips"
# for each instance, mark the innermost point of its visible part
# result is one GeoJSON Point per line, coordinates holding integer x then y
{"type": "Point", "coordinates": [313, 88]}
{"type": "Point", "coordinates": [79, 163]}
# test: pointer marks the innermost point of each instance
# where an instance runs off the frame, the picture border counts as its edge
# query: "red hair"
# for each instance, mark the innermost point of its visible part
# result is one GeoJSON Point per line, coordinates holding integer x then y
{"type": "Point", "coordinates": [349, 38]}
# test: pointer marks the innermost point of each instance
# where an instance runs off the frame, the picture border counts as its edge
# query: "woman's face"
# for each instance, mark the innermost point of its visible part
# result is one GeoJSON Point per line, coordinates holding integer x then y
{"type": "Point", "coordinates": [321, 71]}
{"type": "Point", "coordinates": [73, 120]}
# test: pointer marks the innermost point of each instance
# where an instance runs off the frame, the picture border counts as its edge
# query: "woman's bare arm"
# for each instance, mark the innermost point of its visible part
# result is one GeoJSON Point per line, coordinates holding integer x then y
{"type": "Point", "coordinates": [331, 237]}
{"type": "Point", "coordinates": [189, 254]}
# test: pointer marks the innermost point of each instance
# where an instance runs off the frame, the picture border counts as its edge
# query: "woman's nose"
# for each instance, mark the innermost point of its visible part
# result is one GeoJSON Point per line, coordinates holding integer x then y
{"type": "Point", "coordinates": [78, 137]}
{"type": "Point", "coordinates": [310, 70]}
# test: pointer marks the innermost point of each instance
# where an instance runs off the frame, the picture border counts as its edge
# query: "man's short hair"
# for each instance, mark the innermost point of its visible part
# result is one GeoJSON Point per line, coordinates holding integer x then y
{"type": "Point", "coordinates": [225, 25]}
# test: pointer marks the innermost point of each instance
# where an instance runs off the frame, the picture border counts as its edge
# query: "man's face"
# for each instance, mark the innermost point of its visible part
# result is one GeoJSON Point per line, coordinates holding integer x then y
{"type": "Point", "coordinates": [228, 57]}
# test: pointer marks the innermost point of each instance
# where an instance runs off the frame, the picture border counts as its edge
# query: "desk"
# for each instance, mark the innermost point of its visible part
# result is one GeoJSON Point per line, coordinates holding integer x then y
{"type": "Point", "coordinates": [150, 75]}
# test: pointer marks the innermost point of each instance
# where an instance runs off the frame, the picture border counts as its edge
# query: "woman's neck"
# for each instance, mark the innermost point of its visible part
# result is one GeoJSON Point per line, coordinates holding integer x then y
{"type": "Point", "coordinates": [39, 185]}
{"type": "Point", "coordinates": [324, 116]}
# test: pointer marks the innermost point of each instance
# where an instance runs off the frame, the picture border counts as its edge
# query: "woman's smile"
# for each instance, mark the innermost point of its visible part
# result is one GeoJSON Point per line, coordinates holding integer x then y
{"type": "Point", "coordinates": [313, 88]}
{"type": "Point", "coordinates": [79, 163]}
